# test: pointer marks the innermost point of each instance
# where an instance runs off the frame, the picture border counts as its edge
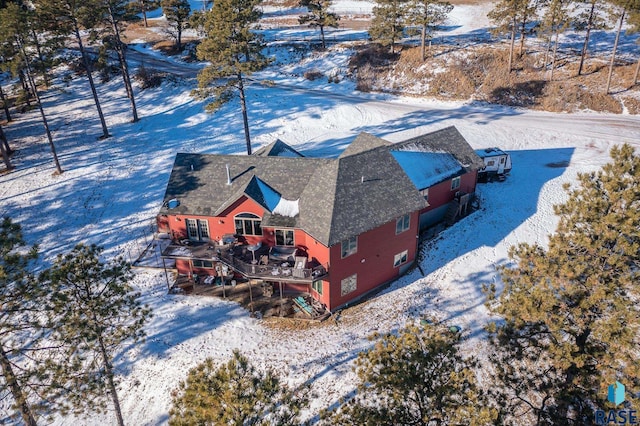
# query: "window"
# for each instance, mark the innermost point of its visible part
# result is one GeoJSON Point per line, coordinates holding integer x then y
{"type": "Point", "coordinates": [198, 229]}
{"type": "Point", "coordinates": [502, 160]}
{"type": "Point", "coordinates": [455, 183]}
{"type": "Point", "coordinates": [402, 223]}
{"type": "Point", "coordinates": [248, 224]}
{"type": "Point", "coordinates": [491, 163]}
{"type": "Point", "coordinates": [400, 258]}
{"type": "Point", "coordinates": [203, 264]}
{"type": "Point", "coordinates": [349, 284]}
{"type": "Point", "coordinates": [192, 229]}
{"type": "Point", "coordinates": [317, 286]}
{"type": "Point", "coordinates": [425, 193]}
{"type": "Point", "coordinates": [284, 237]}
{"type": "Point", "coordinates": [349, 246]}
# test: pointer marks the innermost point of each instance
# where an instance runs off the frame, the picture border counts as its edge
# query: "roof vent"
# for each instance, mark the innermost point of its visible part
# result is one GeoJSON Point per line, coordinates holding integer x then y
{"type": "Point", "coordinates": [173, 203]}
{"type": "Point", "coordinates": [228, 175]}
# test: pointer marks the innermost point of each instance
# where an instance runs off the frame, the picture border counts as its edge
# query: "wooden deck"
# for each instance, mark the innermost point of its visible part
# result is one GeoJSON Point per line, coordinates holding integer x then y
{"type": "Point", "coordinates": [262, 299]}
{"type": "Point", "coordinates": [246, 263]}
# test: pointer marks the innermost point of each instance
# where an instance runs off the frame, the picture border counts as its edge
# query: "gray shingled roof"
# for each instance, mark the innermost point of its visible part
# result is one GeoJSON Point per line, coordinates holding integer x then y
{"type": "Point", "coordinates": [448, 140]}
{"type": "Point", "coordinates": [363, 142]}
{"type": "Point", "coordinates": [277, 148]}
{"type": "Point", "coordinates": [199, 181]}
{"type": "Point", "coordinates": [338, 198]}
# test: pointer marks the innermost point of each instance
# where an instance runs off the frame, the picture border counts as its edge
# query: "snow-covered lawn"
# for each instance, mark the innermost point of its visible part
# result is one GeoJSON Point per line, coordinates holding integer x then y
{"type": "Point", "coordinates": [111, 190]}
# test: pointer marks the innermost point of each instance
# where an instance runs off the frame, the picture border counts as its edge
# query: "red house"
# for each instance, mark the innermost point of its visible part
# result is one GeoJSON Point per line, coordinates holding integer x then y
{"type": "Point", "coordinates": [336, 228]}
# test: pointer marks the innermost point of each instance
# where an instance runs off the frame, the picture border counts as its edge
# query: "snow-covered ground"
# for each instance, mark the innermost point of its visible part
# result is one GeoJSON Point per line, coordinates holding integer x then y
{"type": "Point", "coordinates": [111, 190]}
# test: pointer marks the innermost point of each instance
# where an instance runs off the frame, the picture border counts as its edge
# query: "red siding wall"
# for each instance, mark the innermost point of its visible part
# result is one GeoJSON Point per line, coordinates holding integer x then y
{"type": "Point", "coordinates": [373, 261]}
{"type": "Point", "coordinates": [442, 193]}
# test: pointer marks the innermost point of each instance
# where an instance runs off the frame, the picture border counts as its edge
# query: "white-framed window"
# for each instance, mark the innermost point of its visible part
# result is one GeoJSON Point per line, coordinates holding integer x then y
{"type": "Point", "coordinates": [317, 286]}
{"type": "Point", "coordinates": [455, 183]}
{"type": "Point", "coordinates": [349, 246]}
{"type": "Point", "coordinates": [248, 224]}
{"type": "Point", "coordinates": [349, 284]}
{"type": "Point", "coordinates": [402, 223]}
{"type": "Point", "coordinates": [202, 264]}
{"type": "Point", "coordinates": [284, 237]}
{"type": "Point", "coordinates": [400, 258]}
{"type": "Point", "coordinates": [425, 193]}
{"type": "Point", "coordinates": [198, 229]}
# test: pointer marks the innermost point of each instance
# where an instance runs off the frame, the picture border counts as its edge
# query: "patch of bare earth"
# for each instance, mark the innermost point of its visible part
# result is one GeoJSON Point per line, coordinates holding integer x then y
{"type": "Point", "coordinates": [480, 72]}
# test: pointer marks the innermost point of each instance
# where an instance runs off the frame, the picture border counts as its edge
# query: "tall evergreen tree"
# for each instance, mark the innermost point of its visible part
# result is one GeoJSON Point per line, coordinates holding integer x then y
{"type": "Point", "coordinates": [19, 329]}
{"type": "Point", "coordinates": [318, 15]}
{"type": "Point", "coordinates": [634, 22]}
{"type": "Point", "coordinates": [625, 7]}
{"type": "Point", "coordinates": [388, 22]}
{"type": "Point", "coordinates": [147, 6]}
{"type": "Point", "coordinates": [97, 314]}
{"type": "Point", "coordinates": [589, 19]}
{"type": "Point", "coordinates": [508, 16]}
{"type": "Point", "coordinates": [5, 104]}
{"type": "Point", "coordinates": [234, 53]}
{"type": "Point", "coordinates": [177, 13]}
{"type": "Point", "coordinates": [427, 14]}
{"type": "Point", "coordinates": [571, 317]}
{"type": "Point", "coordinates": [554, 21]}
{"type": "Point", "coordinates": [234, 393]}
{"type": "Point", "coordinates": [15, 32]}
{"type": "Point", "coordinates": [5, 151]}
{"type": "Point", "coordinates": [70, 17]}
{"type": "Point", "coordinates": [415, 377]}
{"type": "Point", "coordinates": [116, 14]}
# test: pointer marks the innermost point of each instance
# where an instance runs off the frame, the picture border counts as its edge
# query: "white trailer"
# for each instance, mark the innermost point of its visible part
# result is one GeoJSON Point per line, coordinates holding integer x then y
{"type": "Point", "coordinates": [497, 164]}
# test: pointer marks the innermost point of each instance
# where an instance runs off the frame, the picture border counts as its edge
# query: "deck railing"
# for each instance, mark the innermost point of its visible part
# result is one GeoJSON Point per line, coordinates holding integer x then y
{"type": "Point", "coordinates": [271, 271]}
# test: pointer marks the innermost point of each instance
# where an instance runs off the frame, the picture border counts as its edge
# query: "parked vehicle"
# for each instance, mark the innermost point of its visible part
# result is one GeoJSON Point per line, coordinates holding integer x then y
{"type": "Point", "coordinates": [497, 164]}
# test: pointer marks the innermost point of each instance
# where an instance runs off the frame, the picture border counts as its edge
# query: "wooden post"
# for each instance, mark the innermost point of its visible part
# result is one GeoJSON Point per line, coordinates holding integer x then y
{"type": "Point", "coordinates": [281, 304]}
{"type": "Point", "coordinates": [250, 297]}
{"type": "Point", "coordinates": [164, 265]}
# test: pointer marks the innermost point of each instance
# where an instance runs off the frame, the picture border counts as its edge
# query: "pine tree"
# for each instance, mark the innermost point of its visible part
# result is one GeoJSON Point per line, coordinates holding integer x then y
{"type": "Point", "coordinates": [116, 14]}
{"type": "Point", "coordinates": [234, 53]}
{"type": "Point", "coordinates": [508, 15]}
{"type": "Point", "coordinates": [591, 19]}
{"type": "Point", "coordinates": [4, 152]}
{"type": "Point", "coordinates": [19, 330]}
{"type": "Point", "coordinates": [415, 377]}
{"type": "Point", "coordinates": [571, 318]}
{"type": "Point", "coordinates": [388, 22]}
{"type": "Point", "coordinates": [555, 21]}
{"type": "Point", "coordinates": [5, 104]}
{"type": "Point", "coordinates": [147, 6]}
{"type": "Point", "coordinates": [235, 393]}
{"type": "Point", "coordinates": [96, 314]}
{"type": "Point", "coordinates": [318, 15]}
{"type": "Point", "coordinates": [625, 7]}
{"type": "Point", "coordinates": [14, 36]}
{"type": "Point", "coordinates": [70, 17]}
{"type": "Point", "coordinates": [634, 22]}
{"type": "Point", "coordinates": [177, 13]}
{"type": "Point", "coordinates": [427, 14]}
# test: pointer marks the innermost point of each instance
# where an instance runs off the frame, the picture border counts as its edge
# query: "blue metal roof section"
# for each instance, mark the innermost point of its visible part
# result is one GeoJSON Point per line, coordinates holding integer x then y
{"type": "Point", "coordinates": [263, 194]}
{"type": "Point", "coordinates": [426, 169]}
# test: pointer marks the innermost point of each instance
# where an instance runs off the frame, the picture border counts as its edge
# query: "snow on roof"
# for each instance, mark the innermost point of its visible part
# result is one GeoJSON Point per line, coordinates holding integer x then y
{"type": "Point", "coordinates": [426, 169]}
{"type": "Point", "coordinates": [490, 152]}
{"type": "Point", "coordinates": [272, 200]}
{"type": "Point", "coordinates": [287, 208]}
